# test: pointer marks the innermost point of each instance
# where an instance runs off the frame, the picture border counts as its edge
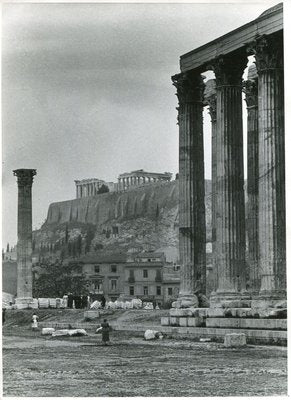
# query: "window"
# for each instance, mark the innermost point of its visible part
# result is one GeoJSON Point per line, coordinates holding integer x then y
{"type": "Point", "coordinates": [149, 260]}
{"type": "Point", "coordinates": [170, 291]}
{"type": "Point", "coordinates": [113, 284]}
{"type": "Point", "coordinates": [131, 290]}
{"type": "Point", "coordinates": [96, 269]}
{"type": "Point", "coordinates": [145, 273]}
{"type": "Point", "coordinates": [113, 268]}
{"type": "Point", "coordinates": [98, 285]}
{"type": "Point", "coordinates": [145, 290]}
{"type": "Point", "coordinates": [158, 290]}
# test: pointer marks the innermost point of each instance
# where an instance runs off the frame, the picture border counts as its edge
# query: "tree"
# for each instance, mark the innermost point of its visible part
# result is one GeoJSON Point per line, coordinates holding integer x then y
{"type": "Point", "coordinates": [55, 279]}
{"type": "Point", "coordinates": [89, 237]}
{"type": "Point", "coordinates": [103, 189]}
{"type": "Point", "coordinates": [66, 234]}
{"type": "Point", "coordinates": [79, 245]}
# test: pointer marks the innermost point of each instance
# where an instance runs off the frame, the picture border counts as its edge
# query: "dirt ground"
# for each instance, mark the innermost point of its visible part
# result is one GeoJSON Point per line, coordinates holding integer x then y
{"type": "Point", "coordinates": [52, 367]}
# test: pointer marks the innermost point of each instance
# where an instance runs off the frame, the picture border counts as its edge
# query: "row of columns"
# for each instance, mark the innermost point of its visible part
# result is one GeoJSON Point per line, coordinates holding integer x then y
{"type": "Point", "coordinates": [124, 183]}
{"type": "Point", "coordinates": [265, 277]}
{"type": "Point", "coordinates": [87, 189]}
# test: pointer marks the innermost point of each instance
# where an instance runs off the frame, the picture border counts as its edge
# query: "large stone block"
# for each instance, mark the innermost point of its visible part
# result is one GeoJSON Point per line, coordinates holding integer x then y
{"type": "Point", "coordinates": [183, 321]}
{"type": "Point", "coordinates": [165, 321]}
{"type": "Point", "coordinates": [195, 321]}
{"type": "Point", "coordinates": [238, 312]}
{"type": "Point", "coordinates": [269, 312]}
{"type": "Point", "coordinates": [91, 314]}
{"type": "Point", "coordinates": [47, 331]}
{"type": "Point", "coordinates": [247, 323]}
{"type": "Point", "coordinates": [181, 312]}
{"type": "Point", "coordinates": [215, 312]}
{"type": "Point", "coordinates": [174, 321]}
{"type": "Point", "coordinates": [199, 312]}
{"type": "Point", "coordinates": [235, 340]}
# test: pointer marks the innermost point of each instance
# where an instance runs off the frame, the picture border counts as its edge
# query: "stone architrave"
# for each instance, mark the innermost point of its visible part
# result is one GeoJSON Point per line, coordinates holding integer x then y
{"type": "Point", "coordinates": [272, 209]}
{"type": "Point", "coordinates": [210, 100]}
{"type": "Point", "coordinates": [230, 203]}
{"type": "Point", "coordinates": [192, 231]}
{"type": "Point", "coordinates": [24, 232]}
{"type": "Point", "coordinates": [252, 222]}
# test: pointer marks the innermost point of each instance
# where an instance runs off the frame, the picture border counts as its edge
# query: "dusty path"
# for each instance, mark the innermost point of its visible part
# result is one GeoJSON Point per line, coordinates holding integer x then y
{"type": "Point", "coordinates": [34, 366]}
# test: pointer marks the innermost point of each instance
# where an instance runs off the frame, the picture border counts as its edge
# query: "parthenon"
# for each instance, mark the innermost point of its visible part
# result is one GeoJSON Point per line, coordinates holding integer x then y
{"type": "Point", "coordinates": [262, 224]}
{"type": "Point", "coordinates": [140, 177]}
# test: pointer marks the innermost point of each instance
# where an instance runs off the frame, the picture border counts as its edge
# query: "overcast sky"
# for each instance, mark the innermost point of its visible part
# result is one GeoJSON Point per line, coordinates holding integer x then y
{"type": "Point", "coordinates": [87, 91]}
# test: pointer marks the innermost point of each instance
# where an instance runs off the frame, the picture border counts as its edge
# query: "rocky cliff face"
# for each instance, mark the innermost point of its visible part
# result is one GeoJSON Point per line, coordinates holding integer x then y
{"type": "Point", "coordinates": [144, 218]}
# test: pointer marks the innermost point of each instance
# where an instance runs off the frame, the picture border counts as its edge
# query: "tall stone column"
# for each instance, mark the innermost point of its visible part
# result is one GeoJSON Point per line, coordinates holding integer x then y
{"type": "Point", "coordinates": [230, 204]}
{"type": "Point", "coordinates": [252, 220]}
{"type": "Point", "coordinates": [272, 210]}
{"type": "Point", "coordinates": [24, 233]}
{"type": "Point", "coordinates": [211, 100]}
{"type": "Point", "coordinates": [144, 179]}
{"type": "Point", "coordinates": [192, 232]}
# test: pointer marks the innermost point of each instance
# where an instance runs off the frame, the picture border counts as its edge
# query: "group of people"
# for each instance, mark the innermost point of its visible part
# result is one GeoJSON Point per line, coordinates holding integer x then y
{"type": "Point", "coordinates": [83, 301]}
{"type": "Point", "coordinates": [80, 301]}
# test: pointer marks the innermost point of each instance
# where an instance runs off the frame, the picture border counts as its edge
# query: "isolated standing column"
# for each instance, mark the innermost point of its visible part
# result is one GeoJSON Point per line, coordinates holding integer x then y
{"type": "Point", "coordinates": [24, 231]}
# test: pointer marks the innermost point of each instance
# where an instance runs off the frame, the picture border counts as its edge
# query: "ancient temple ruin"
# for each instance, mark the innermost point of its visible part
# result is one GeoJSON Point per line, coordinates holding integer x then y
{"type": "Point", "coordinates": [141, 177]}
{"type": "Point", "coordinates": [261, 281]}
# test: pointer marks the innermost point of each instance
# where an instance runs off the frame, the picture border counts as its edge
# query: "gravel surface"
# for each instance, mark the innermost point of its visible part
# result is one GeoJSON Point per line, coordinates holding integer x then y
{"type": "Point", "coordinates": [54, 367]}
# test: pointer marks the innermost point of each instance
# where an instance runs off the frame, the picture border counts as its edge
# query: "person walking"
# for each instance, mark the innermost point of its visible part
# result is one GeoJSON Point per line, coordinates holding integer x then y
{"type": "Point", "coordinates": [3, 315]}
{"type": "Point", "coordinates": [105, 331]}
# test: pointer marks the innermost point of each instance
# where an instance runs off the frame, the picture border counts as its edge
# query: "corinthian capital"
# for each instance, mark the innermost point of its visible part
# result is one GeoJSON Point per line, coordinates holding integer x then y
{"type": "Point", "coordinates": [24, 176]}
{"type": "Point", "coordinates": [250, 89]}
{"type": "Point", "coordinates": [229, 69]}
{"type": "Point", "coordinates": [210, 98]}
{"type": "Point", "coordinates": [189, 87]}
{"type": "Point", "coordinates": [268, 51]}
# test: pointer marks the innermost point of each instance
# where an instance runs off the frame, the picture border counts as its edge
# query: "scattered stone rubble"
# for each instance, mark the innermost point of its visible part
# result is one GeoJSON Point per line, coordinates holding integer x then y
{"type": "Point", "coordinates": [152, 335]}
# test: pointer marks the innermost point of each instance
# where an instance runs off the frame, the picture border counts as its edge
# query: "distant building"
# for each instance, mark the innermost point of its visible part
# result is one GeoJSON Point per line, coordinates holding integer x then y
{"type": "Point", "coordinates": [104, 274]}
{"type": "Point", "coordinates": [88, 187]}
{"type": "Point", "coordinates": [171, 282]}
{"type": "Point", "coordinates": [141, 177]}
{"type": "Point", "coordinates": [145, 275]}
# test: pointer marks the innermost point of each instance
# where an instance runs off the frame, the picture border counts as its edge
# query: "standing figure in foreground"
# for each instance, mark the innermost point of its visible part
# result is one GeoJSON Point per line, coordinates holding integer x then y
{"type": "Point", "coordinates": [105, 332]}
{"type": "Point", "coordinates": [34, 324]}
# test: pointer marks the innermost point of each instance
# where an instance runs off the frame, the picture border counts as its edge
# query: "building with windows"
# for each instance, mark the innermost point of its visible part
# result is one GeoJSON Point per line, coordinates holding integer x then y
{"type": "Point", "coordinates": [105, 274]}
{"type": "Point", "coordinates": [150, 278]}
{"type": "Point", "coordinates": [171, 283]}
{"type": "Point", "coordinates": [145, 275]}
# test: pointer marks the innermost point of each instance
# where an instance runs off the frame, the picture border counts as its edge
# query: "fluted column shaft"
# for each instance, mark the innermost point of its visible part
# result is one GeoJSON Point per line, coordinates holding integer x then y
{"type": "Point", "coordinates": [192, 232]}
{"type": "Point", "coordinates": [24, 231]}
{"type": "Point", "coordinates": [252, 221]}
{"type": "Point", "coordinates": [211, 100]}
{"type": "Point", "coordinates": [230, 205]}
{"type": "Point", "coordinates": [272, 209]}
